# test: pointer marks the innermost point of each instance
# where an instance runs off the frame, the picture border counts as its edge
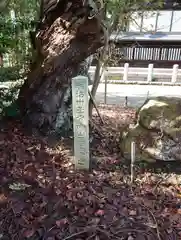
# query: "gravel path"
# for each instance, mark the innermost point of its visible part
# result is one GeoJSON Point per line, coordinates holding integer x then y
{"type": "Point", "coordinates": [136, 93]}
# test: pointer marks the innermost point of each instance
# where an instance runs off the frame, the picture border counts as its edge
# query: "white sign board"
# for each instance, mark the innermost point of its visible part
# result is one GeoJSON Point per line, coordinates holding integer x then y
{"type": "Point", "coordinates": [80, 105]}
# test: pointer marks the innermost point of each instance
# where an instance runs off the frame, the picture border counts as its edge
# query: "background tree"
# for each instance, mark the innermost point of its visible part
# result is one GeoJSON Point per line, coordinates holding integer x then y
{"type": "Point", "coordinates": [15, 22]}
{"type": "Point", "coordinates": [118, 15]}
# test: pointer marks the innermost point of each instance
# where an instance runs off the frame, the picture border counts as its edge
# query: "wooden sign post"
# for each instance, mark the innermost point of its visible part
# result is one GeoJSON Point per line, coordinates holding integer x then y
{"type": "Point", "coordinates": [80, 105]}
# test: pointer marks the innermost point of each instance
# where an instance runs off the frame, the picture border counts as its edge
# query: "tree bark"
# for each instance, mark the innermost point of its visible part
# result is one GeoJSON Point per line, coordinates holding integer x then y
{"type": "Point", "coordinates": [65, 38]}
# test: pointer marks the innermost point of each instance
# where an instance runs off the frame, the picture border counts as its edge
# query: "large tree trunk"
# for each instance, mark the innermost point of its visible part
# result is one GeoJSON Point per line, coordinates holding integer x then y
{"type": "Point", "coordinates": [66, 37]}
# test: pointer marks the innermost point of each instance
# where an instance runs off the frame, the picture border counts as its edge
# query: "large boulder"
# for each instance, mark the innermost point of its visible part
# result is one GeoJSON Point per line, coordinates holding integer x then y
{"type": "Point", "coordinates": [156, 132]}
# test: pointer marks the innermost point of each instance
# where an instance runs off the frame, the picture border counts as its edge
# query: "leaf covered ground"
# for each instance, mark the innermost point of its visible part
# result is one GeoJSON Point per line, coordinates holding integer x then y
{"type": "Point", "coordinates": [42, 197]}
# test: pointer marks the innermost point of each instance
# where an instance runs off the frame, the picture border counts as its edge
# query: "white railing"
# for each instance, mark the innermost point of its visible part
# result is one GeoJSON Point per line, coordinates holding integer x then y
{"type": "Point", "coordinates": [150, 75]}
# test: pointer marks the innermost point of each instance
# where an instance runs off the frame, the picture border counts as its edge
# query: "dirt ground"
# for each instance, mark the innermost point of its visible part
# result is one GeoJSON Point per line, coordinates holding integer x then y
{"type": "Point", "coordinates": [43, 198]}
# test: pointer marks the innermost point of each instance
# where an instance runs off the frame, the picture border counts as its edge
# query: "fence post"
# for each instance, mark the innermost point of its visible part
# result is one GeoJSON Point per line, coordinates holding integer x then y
{"type": "Point", "coordinates": [80, 121]}
{"type": "Point", "coordinates": [105, 85]}
{"type": "Point", "coordinates": [175, 73]}
{"type": "Point", "coordinates": [150, 72]}
{"type": "Point", "coordinates": [125, 74]}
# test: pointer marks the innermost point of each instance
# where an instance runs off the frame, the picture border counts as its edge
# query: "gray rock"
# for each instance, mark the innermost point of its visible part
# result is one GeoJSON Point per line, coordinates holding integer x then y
{"type": "Point", "coordinates": [157, 131]}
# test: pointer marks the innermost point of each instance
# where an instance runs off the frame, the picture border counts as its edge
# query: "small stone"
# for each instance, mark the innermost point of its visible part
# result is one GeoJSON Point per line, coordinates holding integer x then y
{"type": "Point", "coordinates": [133, 213]}
{"type": "Point", "coordinates": [130, 238]}
{"type": "Point", "coordinates": [169, 231]}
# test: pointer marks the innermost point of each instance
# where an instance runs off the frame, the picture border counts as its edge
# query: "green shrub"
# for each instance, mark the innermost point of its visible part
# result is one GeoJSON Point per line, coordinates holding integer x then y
{"type": "Point", "coordinates": [10, 74]}
{"type": "Point", "coordinates": [8, 97]}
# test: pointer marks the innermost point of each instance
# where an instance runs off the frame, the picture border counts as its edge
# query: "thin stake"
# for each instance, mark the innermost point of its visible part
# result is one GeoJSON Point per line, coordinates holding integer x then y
{"type": "Point", "coordinates": [126, 102]}
{"type": "Point", "coordinates": [132, 160]}
{"type": "Point", "coordinates": [148, 93]}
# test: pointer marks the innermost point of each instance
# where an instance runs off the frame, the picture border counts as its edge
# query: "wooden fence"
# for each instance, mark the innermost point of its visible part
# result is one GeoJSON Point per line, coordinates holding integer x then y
{"type": "Point", "coordinates": [148, 75]}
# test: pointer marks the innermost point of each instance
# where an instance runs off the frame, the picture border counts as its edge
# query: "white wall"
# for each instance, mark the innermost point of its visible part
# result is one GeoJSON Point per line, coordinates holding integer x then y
{"type": "Point", "coordinates": [160, 21]}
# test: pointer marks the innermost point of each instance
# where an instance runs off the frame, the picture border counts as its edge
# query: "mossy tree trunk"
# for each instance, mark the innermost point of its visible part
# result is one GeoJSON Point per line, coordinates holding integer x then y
{"type": "Point", "coordinates": [65, 38]}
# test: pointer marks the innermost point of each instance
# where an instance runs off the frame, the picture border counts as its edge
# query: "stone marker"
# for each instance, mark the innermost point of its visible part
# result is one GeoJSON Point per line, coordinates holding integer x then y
{"type": "Point", "coordinates": [80, 121]}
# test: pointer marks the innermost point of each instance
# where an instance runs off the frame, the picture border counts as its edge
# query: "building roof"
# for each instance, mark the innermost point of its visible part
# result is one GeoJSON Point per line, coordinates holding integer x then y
{"type": "Point", "coordinates": [137, 36]}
